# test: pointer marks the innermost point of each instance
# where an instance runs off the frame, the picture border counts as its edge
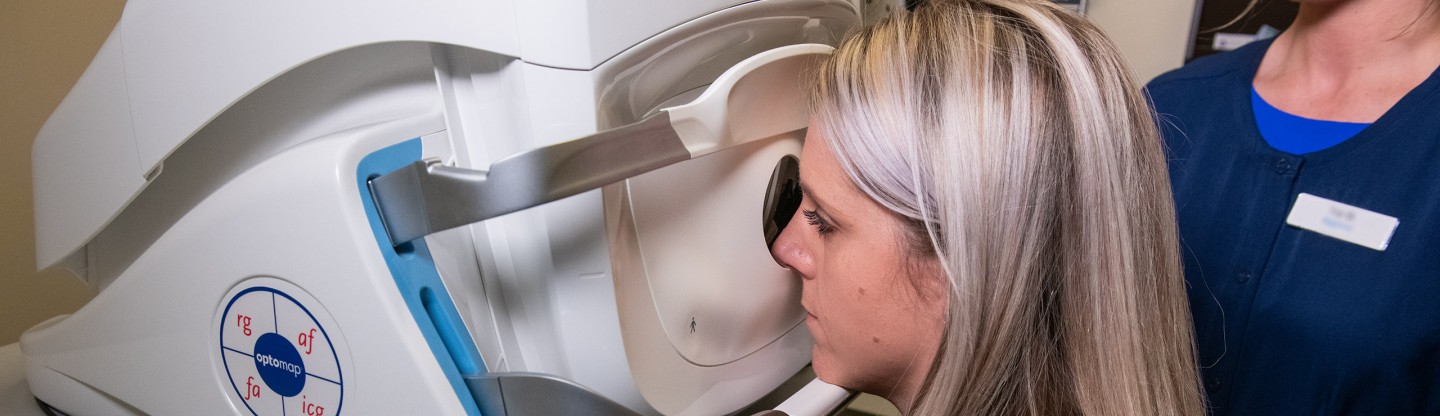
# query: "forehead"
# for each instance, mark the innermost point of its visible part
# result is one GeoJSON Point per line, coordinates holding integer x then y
{"type": "Point", "coordinates": [824, 182]}
{"type": "Point", "coordinates": [818, 166]}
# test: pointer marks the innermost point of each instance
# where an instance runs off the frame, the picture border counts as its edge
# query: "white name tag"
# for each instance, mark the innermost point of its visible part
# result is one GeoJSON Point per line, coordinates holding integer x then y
{"type": "Point", "coordinates": [1345, 222]}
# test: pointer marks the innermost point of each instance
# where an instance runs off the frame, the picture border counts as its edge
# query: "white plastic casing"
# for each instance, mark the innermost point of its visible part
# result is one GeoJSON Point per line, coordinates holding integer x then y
{"type": "Point", "coordinates": [170, 66]}
{"type": "Point", "coordinates": [146, 345]}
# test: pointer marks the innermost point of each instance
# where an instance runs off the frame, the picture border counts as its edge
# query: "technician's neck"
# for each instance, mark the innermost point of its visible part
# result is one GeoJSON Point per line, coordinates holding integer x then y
{"type": "Point", "coordinates": [1351, 61]}
{"type": "Point", "coordinates": [1331, 42]}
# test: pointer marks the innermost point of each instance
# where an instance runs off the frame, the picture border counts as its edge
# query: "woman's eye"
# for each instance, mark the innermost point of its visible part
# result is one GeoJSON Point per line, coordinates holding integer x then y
{"type": "Point", "coordinates": [813, 218]}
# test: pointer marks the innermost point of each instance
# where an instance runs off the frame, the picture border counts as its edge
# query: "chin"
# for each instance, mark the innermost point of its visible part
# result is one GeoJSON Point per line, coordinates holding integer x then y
{"type": "Point", "coordinates": [826, 369]}
{"type": "Point", "coordinates": [818, 361]}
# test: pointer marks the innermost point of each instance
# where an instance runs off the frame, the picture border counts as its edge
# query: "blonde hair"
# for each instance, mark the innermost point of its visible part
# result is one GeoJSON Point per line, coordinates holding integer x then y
{"type": "Point", "coordinates": [1015, 142]}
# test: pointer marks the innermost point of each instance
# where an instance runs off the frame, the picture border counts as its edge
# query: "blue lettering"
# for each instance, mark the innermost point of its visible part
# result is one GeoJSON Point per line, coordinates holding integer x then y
{"type": "Point", "coordinates": [1336, 224]}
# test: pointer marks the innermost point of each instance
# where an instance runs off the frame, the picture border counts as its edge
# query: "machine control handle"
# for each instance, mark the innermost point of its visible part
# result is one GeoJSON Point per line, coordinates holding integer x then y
{"type": "Point", "coordinates": [426, 197]}
{"type": "Point", "coordinates": [758, 98]}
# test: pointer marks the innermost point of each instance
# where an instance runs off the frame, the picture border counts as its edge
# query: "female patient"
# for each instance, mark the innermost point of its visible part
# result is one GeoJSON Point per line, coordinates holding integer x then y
{"type": "Point", "coordinates": [986, 225]}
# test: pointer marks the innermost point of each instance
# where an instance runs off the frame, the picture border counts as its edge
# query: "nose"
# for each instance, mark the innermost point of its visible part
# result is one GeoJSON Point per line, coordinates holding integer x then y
{"type": "Point", "coordinates": [790, 250]}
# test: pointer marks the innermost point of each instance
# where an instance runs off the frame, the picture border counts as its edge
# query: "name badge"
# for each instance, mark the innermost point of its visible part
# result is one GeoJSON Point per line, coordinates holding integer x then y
{"type": "Point", "coordinates": [1347, 223]}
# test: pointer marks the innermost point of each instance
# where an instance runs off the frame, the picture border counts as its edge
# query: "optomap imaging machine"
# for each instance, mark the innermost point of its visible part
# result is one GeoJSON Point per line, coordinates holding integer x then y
{"type": "Point", "coordinates": [434, 207]}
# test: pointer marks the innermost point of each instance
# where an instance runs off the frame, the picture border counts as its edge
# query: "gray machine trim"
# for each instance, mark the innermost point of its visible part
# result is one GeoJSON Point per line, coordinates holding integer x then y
{"type": "Point", "coordinates": [426, 197]}
{"type": "Point", "coordinates": [526, 394]}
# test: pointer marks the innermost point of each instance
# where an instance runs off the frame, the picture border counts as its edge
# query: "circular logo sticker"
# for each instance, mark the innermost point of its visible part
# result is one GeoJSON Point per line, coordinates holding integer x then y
{"type": "Point", "coordinates": [279, 357]}
{"type": "Point", "coordinates": [279, 364]}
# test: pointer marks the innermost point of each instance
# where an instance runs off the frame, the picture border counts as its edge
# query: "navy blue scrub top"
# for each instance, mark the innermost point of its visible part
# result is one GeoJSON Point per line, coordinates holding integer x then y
{"type": "Point", "coordinates": [1289, 321]}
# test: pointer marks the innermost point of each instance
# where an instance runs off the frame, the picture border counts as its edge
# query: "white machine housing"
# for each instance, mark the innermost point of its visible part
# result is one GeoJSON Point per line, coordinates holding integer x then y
{"type": "Point", "coordinates": [214, 147]}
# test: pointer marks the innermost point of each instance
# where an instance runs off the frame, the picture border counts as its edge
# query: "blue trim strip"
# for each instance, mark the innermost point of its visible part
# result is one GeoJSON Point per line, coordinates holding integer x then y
{"type": "Point", "coordinates": [414, 271]}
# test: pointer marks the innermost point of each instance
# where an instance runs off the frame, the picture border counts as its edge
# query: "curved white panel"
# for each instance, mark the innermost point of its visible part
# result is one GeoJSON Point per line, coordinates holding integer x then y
{"type": "Point", "coordinates": [718, 293]}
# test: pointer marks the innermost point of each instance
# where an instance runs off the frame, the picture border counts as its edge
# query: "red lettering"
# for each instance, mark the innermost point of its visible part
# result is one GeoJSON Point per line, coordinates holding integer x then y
{"type": "Point", "coordinates": [311, 409]}
{"type": "Point", "coordinates": [252, 390]}
{"type": "Point", "coordinates": [307, 340]}
{"type": "Point", "coordinates": [243, 322]}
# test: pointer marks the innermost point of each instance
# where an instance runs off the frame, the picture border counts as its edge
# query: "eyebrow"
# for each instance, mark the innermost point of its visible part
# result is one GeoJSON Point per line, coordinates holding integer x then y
{"type": "Point", "coordinates": [804, 190]}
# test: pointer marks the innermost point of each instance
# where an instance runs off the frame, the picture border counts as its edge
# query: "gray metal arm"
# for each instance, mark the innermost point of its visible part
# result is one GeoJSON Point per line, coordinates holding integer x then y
{"type": "Point", "coordinates": [757, 98]}
{"type": "Point", "coordinates": [426, 197]}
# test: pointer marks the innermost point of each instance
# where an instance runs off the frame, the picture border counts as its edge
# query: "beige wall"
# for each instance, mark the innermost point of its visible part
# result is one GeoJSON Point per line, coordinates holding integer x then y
{"type": "Point", "coordinates": [1153, 34]}
{"type": "Point", "coordinates": [44, 47]}
{"type": "Point", "coordinates": [46, 44]}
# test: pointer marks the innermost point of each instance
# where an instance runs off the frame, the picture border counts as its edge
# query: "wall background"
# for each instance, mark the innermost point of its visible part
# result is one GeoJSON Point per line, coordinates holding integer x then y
{"type": "Point", "coordinates": [1153, 34]}
{"type": "Point", "coordinates": [44, 47]}
{"type": "Point", "coordinates": [46, 44]}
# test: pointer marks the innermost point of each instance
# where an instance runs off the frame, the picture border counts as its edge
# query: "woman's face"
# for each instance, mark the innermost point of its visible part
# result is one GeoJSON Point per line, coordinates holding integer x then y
{"type": "Point", "coordinates": [876, 307]}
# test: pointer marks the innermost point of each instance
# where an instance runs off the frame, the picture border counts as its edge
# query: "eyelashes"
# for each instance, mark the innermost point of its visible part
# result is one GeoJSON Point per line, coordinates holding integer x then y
{"type": "Point", "coordinates": [813, 218]}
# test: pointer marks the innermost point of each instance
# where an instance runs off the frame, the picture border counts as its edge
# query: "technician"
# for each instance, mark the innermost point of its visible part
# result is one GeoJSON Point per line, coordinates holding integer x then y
{"type": "Point", "coordinates": [1306, 173]}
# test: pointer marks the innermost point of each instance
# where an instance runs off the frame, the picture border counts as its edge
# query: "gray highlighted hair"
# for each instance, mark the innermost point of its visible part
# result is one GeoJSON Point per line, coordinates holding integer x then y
{"type": "Point", "coordinates": [1015, 140]}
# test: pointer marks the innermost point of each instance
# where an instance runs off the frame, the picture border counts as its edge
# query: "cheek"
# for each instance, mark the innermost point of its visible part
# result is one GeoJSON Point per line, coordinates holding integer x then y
{"type": "Point", "coordinates": [869, 326]}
